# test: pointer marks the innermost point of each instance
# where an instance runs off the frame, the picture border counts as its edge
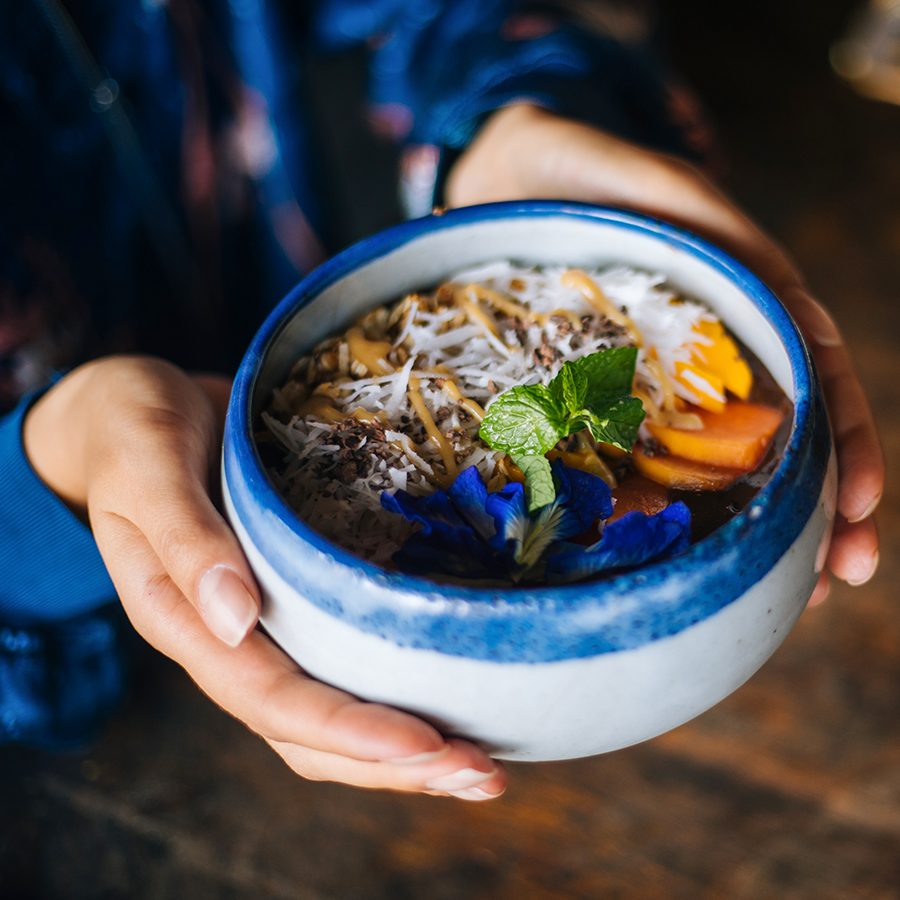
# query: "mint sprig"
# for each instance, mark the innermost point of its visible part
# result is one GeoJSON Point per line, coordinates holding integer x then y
{"type": "Point", "coordinates": [593, 392]}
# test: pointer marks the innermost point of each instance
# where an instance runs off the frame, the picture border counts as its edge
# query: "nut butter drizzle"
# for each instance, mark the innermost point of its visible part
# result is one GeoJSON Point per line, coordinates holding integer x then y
{"type": "Point", "coordinates": [448, 455]}
{"type": "Point", "coordinates": [379, 360]}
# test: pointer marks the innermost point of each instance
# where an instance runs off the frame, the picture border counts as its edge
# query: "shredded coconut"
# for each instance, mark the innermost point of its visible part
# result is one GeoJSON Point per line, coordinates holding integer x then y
{"type": "Point", "coordinates": [347, 434]}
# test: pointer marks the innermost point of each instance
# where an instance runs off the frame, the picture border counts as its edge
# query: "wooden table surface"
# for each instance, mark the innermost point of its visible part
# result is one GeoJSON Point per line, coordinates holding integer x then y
{"type": "Point", "coordinates": [789, 788]}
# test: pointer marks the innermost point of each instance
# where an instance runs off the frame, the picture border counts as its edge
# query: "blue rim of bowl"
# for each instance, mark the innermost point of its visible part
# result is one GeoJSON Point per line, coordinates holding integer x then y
{"type": "Point", "coordinates": [659, 618]}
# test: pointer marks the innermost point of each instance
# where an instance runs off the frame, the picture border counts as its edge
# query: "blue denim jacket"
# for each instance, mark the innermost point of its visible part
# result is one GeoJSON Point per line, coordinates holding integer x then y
{"type": "Point", "coordinates": [158, 180]}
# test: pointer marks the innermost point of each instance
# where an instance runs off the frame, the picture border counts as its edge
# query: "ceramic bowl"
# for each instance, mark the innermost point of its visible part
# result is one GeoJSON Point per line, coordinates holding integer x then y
{"type": "Point", "coordinates": [551, 672]}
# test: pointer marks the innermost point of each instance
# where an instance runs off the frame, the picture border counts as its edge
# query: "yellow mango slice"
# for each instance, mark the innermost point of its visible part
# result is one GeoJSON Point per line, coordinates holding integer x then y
{"type": "Point", "coordinates": [706, 388]}
{"type": "Point", "coordinates": [723, 358]}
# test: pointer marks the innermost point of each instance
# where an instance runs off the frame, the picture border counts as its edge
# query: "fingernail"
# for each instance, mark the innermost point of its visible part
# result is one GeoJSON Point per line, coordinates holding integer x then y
{"type": "Point", "coordinates": [226, 605]}
{"type": "Point", "coordinates": [459, 780]}
{"type": "Point", "coordinates": [868, 511]}
{"type": "Point", "coordinates": [826, 335]}
{"type": "Point", "coordinates": [856, 582]}
{"type": "Point", "coordinates": [419, 758]}
{"type": "Point", "coordinates": [824, 330]}
{"type": "Point", "coordinates": [473, 793]}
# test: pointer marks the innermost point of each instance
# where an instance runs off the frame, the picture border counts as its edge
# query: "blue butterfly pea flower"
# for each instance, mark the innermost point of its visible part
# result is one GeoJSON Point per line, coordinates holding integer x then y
{"type": "Point", "coordinates": [631, 541]}
{"type": "Point", "coordinates": [469, 495]}
{"type": "Point", "coordinates": [466, 532]}
{"type": "Point", "coordinates": [435, 513]}
{"type": "Point", "coordinates": [581, 499]}
{"type": "Point", "coordinates": [446, 540]}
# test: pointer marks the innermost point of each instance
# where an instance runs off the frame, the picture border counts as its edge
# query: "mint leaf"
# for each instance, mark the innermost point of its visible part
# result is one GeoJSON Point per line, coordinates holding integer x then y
{"type": "Point", "coordinates": [609, 375]}
{"type": "Point", "coordinates": [570, 386]}
{"type": "Point", "coordinates": [539, 487]}
{"type": "Point", "coordinates": [617, 424]}
{"type": "Point", "coordinates": [524, 421]}
{"type": "Point", "coordinates": [591, 392]}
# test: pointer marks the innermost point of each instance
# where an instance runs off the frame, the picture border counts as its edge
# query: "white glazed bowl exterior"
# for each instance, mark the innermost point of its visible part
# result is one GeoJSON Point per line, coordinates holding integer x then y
{"type": "Point", "coordinates": [545, 673]}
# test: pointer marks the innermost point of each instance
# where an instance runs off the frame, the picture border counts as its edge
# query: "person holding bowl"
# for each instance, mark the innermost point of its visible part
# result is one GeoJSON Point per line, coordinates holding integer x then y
{"type": "Point", "coordinates": [161, 178]}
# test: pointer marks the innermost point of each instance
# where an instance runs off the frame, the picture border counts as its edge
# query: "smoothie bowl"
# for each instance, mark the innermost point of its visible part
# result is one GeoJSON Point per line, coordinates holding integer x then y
{"type": "Point", "coordinates": [556, 478]}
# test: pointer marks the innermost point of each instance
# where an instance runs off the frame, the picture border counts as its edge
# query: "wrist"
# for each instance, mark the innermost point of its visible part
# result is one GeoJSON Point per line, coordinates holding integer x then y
{"type": "Point", "coordinates": [498, 164]}
{"type": "Point", "coordinates": [53, 438]}
{"type": "Point", "coordinates": [524, 151]}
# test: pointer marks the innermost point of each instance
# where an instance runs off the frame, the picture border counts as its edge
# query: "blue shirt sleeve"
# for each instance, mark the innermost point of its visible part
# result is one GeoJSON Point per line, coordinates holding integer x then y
{"type": "Point", "coordinates": [440, 67]}
{"type": "Point", "coordinates": [51, 567]}
{"type": "Point", "coordinates": [62, 669]}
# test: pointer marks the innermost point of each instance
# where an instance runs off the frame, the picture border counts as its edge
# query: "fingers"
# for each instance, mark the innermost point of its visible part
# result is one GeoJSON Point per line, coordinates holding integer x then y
{"type": "Point", "coordinates": [861, 467]}
{"type": "Point", "coordinates": [278, 701]}
{"type": "Point", "coordinates": [813, 319]}
{"type": "Point", "coordinates": [452, 772]}
{"type": "Point", "coordinates": [853, 556]}
{"type": "Point", "coordinates": [860, 459]}
{"type": "Point", "coordinates": [256, 682]}
{"type": "Point", "coordinates": [821, 591]}
{"type": "Point", "coordinates": [218, 391]}
{"type": "Point", "coordinates": [195, 547]}
{"type": "Point", "coordinates": [153, 470]}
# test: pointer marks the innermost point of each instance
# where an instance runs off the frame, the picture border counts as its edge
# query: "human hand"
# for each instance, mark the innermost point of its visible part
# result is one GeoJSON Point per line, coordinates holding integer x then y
{"type": "Point", "coordinates": [527, 152]}
{"type": "Point", "coordinates": [133, 443]}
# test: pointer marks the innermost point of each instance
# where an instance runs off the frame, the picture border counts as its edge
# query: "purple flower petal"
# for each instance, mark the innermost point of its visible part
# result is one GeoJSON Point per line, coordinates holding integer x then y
{"type": "Point", "coordinates": [631, 541]}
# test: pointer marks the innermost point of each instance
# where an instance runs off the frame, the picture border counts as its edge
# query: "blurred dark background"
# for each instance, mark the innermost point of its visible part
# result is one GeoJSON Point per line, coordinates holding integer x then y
{"type": "Point", "coordinates": [790, 788]}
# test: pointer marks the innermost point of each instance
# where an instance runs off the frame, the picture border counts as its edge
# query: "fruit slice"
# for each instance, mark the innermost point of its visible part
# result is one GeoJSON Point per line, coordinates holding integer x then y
{"type": "Point", "coordinates": [705, 388]}
{"type": "Point", "coordinates": [719, 354]}
{"type": "Point", "coordinates": [737, 437]}
{"type": "Point", "coordinates": [684, 474]}
{"type": "Point", "coordinates": [610, 451]}
{"type": "Point", "coordinates": [641, 494]}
